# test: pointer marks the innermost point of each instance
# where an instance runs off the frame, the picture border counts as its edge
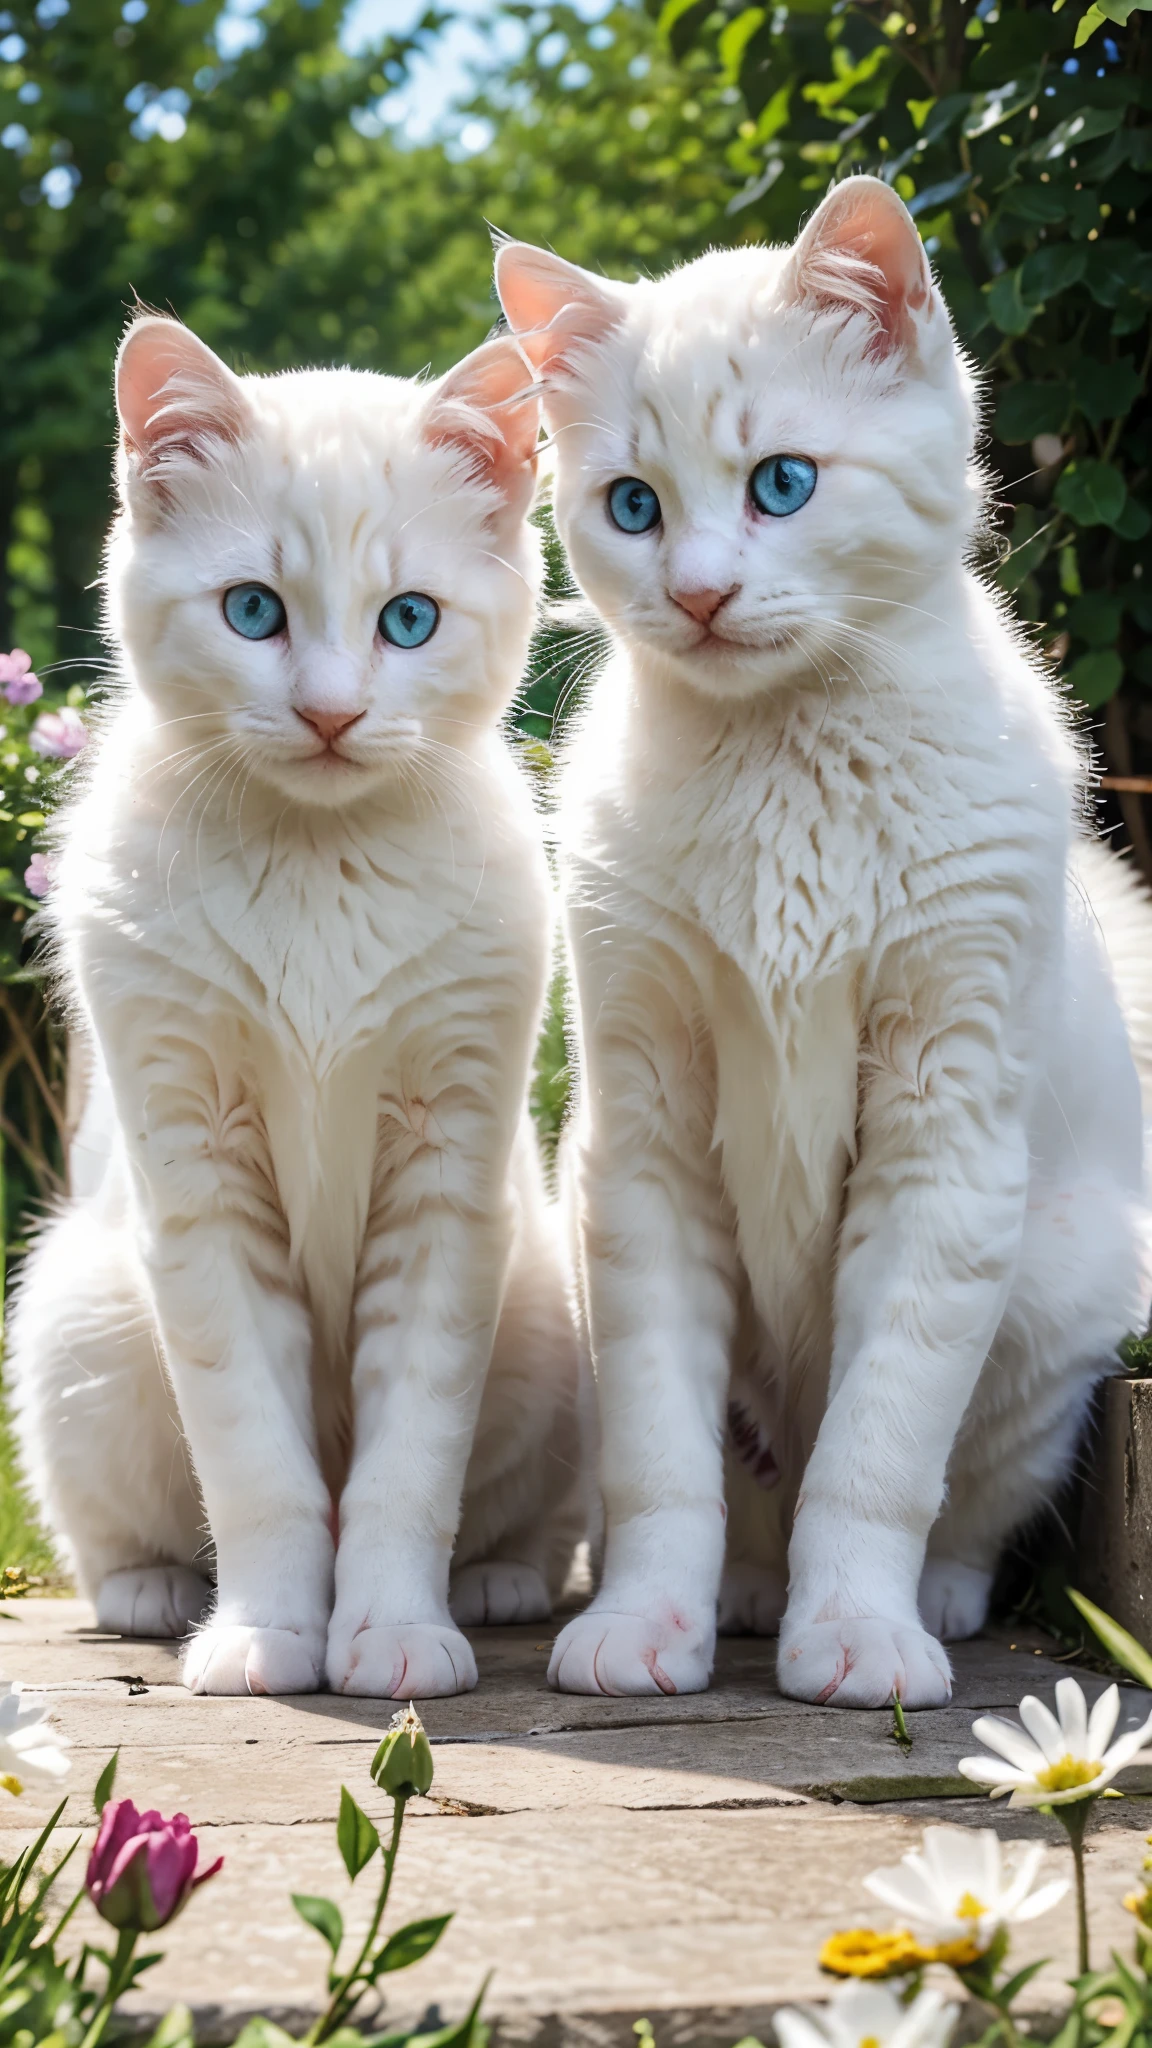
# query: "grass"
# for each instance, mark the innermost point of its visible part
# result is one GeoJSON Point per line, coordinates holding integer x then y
{"type": "Point", "coordinates": [22, 1540]}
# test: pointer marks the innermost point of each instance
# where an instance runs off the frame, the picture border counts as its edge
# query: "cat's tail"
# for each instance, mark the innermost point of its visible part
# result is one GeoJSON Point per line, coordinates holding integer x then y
{"type": "Point", "coordinates": [1122, 906]}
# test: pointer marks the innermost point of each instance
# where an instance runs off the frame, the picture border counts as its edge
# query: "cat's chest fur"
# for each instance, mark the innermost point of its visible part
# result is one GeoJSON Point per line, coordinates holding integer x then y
{"type": "Point", "coordinates": [786, 848]}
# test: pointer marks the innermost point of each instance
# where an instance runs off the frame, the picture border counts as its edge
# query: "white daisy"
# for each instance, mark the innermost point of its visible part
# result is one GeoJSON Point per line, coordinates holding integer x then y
{"type": "Point", "coordinates": [1057, 1760]}
{"type": "Point", "coordinates": [961, 1885]}
{"type": "Point", "coordinates": [868, 2016]}
{"type": "Point", "coordinates": [29, 1745]}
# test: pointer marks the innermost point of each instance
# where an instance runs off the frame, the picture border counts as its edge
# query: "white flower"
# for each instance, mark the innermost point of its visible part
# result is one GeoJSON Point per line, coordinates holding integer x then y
{"type": "Point", "coordinates": [1056, 1761]}
{"type": "Point", "coordinates": [961, 1886]}
{"type": "Point", "coordinates": [29, 1746]}
{"type": "Point", "coordinates": [868, 2016]}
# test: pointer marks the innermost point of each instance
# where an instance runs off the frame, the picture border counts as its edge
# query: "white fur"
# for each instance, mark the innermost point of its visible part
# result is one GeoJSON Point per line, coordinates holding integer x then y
{"type": "Point", "coordinates": [309, 1258]}
{"type": "Point", "coordinates": [860, 1129]}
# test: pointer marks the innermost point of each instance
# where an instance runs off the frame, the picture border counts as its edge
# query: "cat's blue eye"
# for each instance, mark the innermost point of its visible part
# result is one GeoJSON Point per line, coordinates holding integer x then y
{"type": "Point", "coordinates": [634, 506]}
{"type": "Point", "coordinates": [254, 610]}
{"type": "Point", "coordinates": [410, 619]}
{"type": "Point", "coordinates": [782, 483]}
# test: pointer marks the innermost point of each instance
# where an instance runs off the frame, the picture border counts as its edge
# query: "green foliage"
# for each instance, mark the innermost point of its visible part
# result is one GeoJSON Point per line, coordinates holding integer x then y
{"type": "Point", "coordinates": [356, 1837]}
{"type": "Point", "coordinates": [1029, 170]}
{"type": "Point", "coordinates": [47, 2002]}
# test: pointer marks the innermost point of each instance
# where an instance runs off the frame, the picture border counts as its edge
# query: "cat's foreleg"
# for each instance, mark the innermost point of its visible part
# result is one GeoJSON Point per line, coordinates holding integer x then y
{"type": "Point", "coordinates": [428, 1295]}
{"type": "Point", "coordinates": [929, 1247]}
{"type": "Point", "coordinates": [238, 1347]}
{"type": "Point", "coordinates": [660, 1266]}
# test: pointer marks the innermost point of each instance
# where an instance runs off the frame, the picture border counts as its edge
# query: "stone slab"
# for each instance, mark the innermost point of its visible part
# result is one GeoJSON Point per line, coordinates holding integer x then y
{"type": "Point", "coordinates": [679, 1857]}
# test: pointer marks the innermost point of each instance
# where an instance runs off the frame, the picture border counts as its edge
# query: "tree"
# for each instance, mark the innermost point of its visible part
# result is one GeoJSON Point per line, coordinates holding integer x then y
{"type": "Point", "coordinates": [1018, 132]}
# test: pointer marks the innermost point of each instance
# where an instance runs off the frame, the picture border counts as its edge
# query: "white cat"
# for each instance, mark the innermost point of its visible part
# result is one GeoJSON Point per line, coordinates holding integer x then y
{"type": "Point", "coordinates": [859, 1116]}
{"type": "Point", "coordinates": [304, 907]}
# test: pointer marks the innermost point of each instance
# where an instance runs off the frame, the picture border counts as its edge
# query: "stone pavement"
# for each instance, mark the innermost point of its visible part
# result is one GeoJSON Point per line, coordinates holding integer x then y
{"type": "Point", "coordinates": [680, 1858]}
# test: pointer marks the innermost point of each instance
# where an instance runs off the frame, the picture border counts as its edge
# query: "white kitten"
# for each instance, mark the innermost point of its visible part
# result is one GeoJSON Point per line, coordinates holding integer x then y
{"type": "Point", "coordinates": [859, 1114]}
{"type": "Point", "coordinates": [304, 904]}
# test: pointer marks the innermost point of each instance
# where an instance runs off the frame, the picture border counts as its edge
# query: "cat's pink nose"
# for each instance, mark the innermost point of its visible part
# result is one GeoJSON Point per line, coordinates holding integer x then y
{"type": "Point", "coordinates": [701, 604]}
{"type": "Point", "coordinates": [329, 724]}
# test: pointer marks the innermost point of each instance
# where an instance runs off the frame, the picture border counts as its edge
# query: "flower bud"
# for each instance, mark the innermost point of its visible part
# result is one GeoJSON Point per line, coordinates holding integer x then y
{"type": "Point", "coordinates": [142, 1870]}
{"type": "Point", "coordinates": [403, 1763]}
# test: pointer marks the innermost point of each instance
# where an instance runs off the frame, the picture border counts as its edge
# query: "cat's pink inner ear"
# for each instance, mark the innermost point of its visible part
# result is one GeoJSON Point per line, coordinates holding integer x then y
{"type": "Point", "coordinates": [489, 407]}
{"type": "Point", "coordinates": [172, 393]}
{"type": "Point", "coordinates": [552, 306]}
{"type": "Point", "coordinates": [861, 250]}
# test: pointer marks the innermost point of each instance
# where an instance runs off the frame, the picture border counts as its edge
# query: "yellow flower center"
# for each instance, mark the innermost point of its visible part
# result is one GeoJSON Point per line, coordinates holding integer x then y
{"type": "Point", "coordinates": [970, 1907]}
{"type": "Point", "coordinates": [957, 1954]}
{"type": "Point", "coordinates": [10, 1784]}
{"type": "Point", "coordinates": [1068, 1773]}
{"type": "Point", "coordinates": [863, 1952]}
{"type": "Point", "coordinates": [868, 2041]}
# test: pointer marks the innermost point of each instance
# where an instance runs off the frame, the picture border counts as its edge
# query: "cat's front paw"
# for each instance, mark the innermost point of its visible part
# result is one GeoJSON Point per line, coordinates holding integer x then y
{"type": "Point", "coordinates": [953, 1598]}
{"type": "Point", "coordinates": [158, 1600]}
{"type": "Point", "coordinates": [411, 1660]}
{"type": "Point", "coordinates": [497, 1595]}
{"type": "Point", "coordinates": [863, 1661]}
{"type": "Point", "coordinates": [631, 1653]}
{"type": "Point", "coordinates": [752, 1599]}
{"type": "Point", "coordinates": [231, 1657]}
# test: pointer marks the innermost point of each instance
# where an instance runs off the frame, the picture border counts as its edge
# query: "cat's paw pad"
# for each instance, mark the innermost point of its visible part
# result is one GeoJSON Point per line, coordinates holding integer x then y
{"type": "Point", "coordinates": [752, 1600]}
{"type": "Point", "coordinates": [411, 1660]}
{"type": "Point", "coordinates": [953, 1598]}
{"type": "Point", "coordinates": [497, 1595]}
{"type": "Point", "coordinates": [234, 1658]}
{"type": "Point", "coordinates": [160, 1600]}
{"type": "Point", "coordinates": [863, 1661]}
{"type": "Point", "coordinates": [631, 1653]}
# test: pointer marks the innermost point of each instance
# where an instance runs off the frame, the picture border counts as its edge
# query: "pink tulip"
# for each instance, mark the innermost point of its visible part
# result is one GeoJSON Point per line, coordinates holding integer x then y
{"type": "Point", "coordinates": [17, 681]}
{"type": "Point", "coordinates": [142, 1870]}
{"type": "Point", "coordinates": [59, 734]}
{"type": "Point", "coordinates": [38, 875]}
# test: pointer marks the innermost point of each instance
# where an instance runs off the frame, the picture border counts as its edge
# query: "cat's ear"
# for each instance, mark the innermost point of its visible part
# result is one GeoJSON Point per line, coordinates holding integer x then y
{"type": "Point", "coordinates": [861, 251]}
{"type": "Point", "coordinates": [553, 307]}
{"type": "Point", "coordinates": [489, 407]}
{"type": "Point", "coordinates": [173, 396]}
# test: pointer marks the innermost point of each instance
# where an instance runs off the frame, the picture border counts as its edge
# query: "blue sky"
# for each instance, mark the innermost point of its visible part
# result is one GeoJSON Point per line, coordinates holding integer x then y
{"type": "Point", "coordinates": [439, 79]}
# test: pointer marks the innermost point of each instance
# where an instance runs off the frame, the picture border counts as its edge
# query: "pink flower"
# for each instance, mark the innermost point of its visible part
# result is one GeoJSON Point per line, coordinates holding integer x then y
{"type": "Point", "coordinates": [142, 1870]}
{"type": "Point", "coordinates": [17, 682]}
{"type": "Point", "coordinates": [38, 875]}
{"type": "Point", "coordinates": [59, 734]}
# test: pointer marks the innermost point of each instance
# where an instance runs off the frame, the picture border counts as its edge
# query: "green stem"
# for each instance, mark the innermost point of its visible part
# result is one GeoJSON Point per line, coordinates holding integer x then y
{"type": "Point", "coordinates": [341, 2002]}
{"type": "Point", "coordinates": [1074, 1819]}
{"type": "Point", "coordinates": [119, 1972]}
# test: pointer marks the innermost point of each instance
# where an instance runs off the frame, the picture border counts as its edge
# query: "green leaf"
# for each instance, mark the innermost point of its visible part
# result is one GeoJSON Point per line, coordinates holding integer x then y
{"type": "Point", "coordinates": [990, 109]}
{"type": "Point", "coordinates": [323, 1916]}
{"type": "Point", "coordinates": [939, 195]}
{"type": "Point", "coordinates": [467, 2033]}
{"type": "Point", "coordinates": [1007, 307]}
{"type": "Point", "coordinates": [1104, 390]}
{"type": "Point", "coordinates": [1092, 493]}
{"type": "Point", "coordinates": [356, 1838]}
{"type": "Point", "coordinates": [261, 2033]}
{"type": "Point", "coordinates": [1096, 677]}
{"type": "Point", "coordinates": [1121, 1647]}
{"type": "Point", "coordinates": [1134, 521]}
{"type": "Point", "coordinates": [1088, 24]}
{"type": "Point", "coordinates": [105, 1782]}
{"type": "Point", "coordinates": [1041, 203]}
{"type": "Point", "coordinates": [1025, 410]}
{"type": "Point", "coordinates": [409, 1944]}
{"type": "Point", "coordinates": [1073, 133]}
{"type": "Point", "coordinates": [1047, 272]}
{"type": "Point", "coordinates": [1095, 617]}
{"type": "Point", "coordinates": [176, 2030]}
{"type": "Point", "coordinates": [1014, 1985]}
{"type": "Point", "coordinates": [734, 40]}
